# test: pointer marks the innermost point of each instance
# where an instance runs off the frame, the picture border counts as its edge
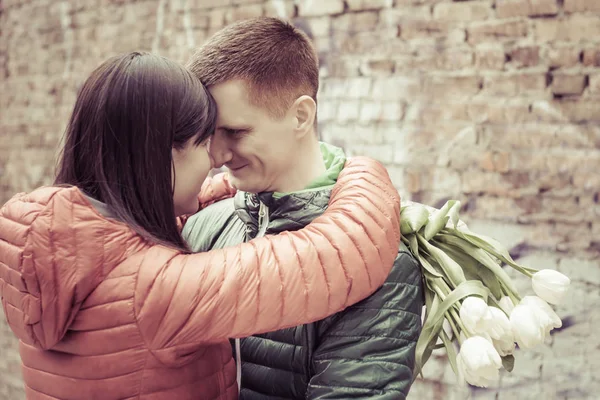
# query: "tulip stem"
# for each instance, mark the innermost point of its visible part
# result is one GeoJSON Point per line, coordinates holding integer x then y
{"type": "Point", "coordinates": [454, 321]}
{"type": "Point", "coordinates": [439, 292]}
{"type": "Point", "coordinates": [515, 298]}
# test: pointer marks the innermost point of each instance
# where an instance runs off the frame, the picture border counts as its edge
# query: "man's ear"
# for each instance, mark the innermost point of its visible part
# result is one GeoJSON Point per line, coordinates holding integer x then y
{"type": "Point", "coordinates": [305, 110]}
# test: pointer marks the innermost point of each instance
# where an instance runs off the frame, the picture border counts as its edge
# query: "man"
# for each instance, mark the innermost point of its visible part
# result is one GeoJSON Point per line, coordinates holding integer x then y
{"type": "Point", "coordinates": [263, 74]}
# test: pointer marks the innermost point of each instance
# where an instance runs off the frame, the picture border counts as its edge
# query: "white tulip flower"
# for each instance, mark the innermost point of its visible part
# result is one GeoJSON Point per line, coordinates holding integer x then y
{"type": "Point", "coordinates": [478, 362]}
{"type": "Point", "coordinates": [475, 315]}
{"type": "Point", "coordinates": [505, 346]}
{"type": "Point", "coordinates": [499, 326]}
{"type": "Point", "coordinates": [527, 326]}
{"type": "Point", "coordinates": [550, 285]}
{"type": "Point", "coordinates": [547, 317]}
{"type": "Point", "coordinates": [506, 304]}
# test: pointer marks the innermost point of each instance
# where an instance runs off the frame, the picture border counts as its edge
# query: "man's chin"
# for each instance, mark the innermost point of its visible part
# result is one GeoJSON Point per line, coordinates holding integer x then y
{"type": "Point", "coordinates": [236, 182]}
{"type": "Point", "coordinates": [244, 185]}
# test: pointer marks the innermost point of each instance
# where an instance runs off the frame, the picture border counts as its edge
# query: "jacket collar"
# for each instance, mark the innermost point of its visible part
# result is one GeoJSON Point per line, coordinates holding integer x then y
{"type": "Point", "coordinates": [288, 212]}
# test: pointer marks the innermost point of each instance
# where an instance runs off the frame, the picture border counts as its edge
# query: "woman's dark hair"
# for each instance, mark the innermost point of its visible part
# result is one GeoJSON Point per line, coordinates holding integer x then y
{"type": "Point", "coordinates": [128, 116]}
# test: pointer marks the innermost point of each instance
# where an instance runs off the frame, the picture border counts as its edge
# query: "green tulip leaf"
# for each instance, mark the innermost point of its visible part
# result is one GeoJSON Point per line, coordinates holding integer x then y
{"type": "Point", "coordinates": [413, 218]}
{"type": "Point", "coordinates": [450, 350]}
{"type": "Point", "coordinates": [508, 362]}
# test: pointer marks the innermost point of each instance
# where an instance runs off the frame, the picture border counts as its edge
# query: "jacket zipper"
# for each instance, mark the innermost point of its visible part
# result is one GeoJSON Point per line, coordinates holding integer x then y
{"type": "Point", "coordinates": [263, 220]}
{"type": "Point", "coordinates": [263, 224]}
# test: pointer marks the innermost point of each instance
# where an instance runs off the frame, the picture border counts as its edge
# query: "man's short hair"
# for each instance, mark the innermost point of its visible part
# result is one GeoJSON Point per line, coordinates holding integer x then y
{"type": "Point", "coordinates": [276, 60]}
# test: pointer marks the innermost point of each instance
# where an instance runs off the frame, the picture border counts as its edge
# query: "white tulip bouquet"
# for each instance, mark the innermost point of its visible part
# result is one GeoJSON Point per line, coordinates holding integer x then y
{"type": "Point", "coordinates": [471, 302]}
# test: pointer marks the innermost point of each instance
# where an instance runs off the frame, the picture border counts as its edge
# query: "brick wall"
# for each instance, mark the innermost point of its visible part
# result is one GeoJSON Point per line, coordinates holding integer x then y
{"type": "Point", "coordinates": [493, 102]}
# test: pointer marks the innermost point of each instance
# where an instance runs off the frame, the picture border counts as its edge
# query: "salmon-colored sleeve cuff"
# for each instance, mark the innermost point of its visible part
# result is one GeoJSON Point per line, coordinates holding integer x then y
{"type": "Point", "coordinates": [215, 189]}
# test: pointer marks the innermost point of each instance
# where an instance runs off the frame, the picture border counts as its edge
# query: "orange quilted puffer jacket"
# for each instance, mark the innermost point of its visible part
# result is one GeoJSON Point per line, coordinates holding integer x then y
{"type": "Point", "coordinates": [103, 314]}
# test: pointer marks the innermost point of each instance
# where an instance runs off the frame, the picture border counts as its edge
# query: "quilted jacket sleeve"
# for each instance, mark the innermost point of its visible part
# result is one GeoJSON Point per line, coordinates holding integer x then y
{"type": "Point", "coordinates": [368, 350]}
{"type": "Point", "coordinates": [214, 189]}
{"type": "Point", "coordinates": [185, 301]}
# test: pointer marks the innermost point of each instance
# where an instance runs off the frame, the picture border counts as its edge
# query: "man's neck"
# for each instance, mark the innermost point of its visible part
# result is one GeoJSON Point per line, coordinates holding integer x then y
{"type": "Point", "coordinates": [309, 166]}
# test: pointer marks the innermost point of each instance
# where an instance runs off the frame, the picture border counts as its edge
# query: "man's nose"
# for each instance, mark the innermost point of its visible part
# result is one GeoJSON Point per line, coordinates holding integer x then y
{"type": "Point", "coordinates": [219, 150]}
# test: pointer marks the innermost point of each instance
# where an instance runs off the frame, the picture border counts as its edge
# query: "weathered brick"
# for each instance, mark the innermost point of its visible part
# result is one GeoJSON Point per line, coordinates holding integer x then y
{"type": "Point", "coordinates": [574, 111]}
{"type": "Point", "coordinates": [525, 56]}
{"type": "Point", "coordinates": [246, 1]}
{"type": "Point", "coordinates": [496, 29]}
{"type": "Point", "coordinates": [487, 161]}
{"type": "Point", "coordinates": [488, 183]}
{"type": "Point", "coordinates": [586, 179]}
{"type": "Point", "coordinates": [338, 134]}
{"type": "Point", "coordinates": [280, 8]}
{"type": "Point", "coordinates": [498, 161]}
{"type": "Point", "coordinates": [327, 110]}
{"type": "Point", "coordinates": [319, 26]}
{"type": "Point", "coordinates": [571, 6]}
{"type": "Point", "coordinates": [548, 111]}
{"type": "Point", "coordinates": [381, 152]}
{"type": "Point", "coordinates": [528, 137]}
{"type": "Point", "coordinates": [244, 12]}
{"type": "Point", "coordinates": [357, 88]}
{"type": "Point", "coordinates": [490, 56]}
{"type": "Point", "coordinates": [366, 43]}
{"type": "Point", "coordinates": [558, 209]}
{"type": "Point", "coordinates": [377, 67]}
{"type": "Point", "coordinates": [463, 11]}
{"type": "Point", "coordinates": [199, 19]}
{"type": "Point", "coordinates": [362, 5]}
{"type": "Point", "coordinates": [519, 8]}
{"type": "Point", "coordinates": [396, 88]}
{"type": "Point", "coordinates": [348, 110]}
{"type": "Point", "coordinates": [322, 44]}
{"type": "Point", "coordinates": [428, 111]}
{"type": "Point", "coordinates": [332, 88]}
{"type": "Point", "coordinates": [206, 3]}
{"type": "Point", "coordinates": [495, 110]}
{"type": "Point", "coordinates": [431, 389]}
{"type": "Point", "coordinates": [595, 229]}
{"type": "Point", "coordinates": [435, 30]}
{"type": "Point", "coordinates": [370, 111]}
{"type": "Point", "coordinates": [355, 22]}
{"type": "Point", "coordinates": [578, 136]}
{"type": "Point", "coordinates": [502, 208]}
{"type": "Point", "coordinates": [376, 111]}
{"type": "Point", "coordinates": [394, 17]}
{"type": "Point", "coordinates": [416, 139]}
{"type": "Point", "coordinates": [568, 84]}
{"type": "Point", "coordinates": [346, 67]}
{"type": "Point", "coordinates": [216, 17]}
{"type": "Point", "coordinates": [439, 369]}
{"type": "Point", "coordinates": [321, 7]}
{"type": "Point", "coordinates": [560, 56]}
{"type": "Point", "coordinates": [452, 58]}
{"type": "Point", "coordinates": [594, 82]}
{"type": "Point", "coordinates": [454, 146]}
{"type": "Point", "coordinates": [412, 180]}
{"type": "Point", "coordinates": [574, 28]}
{"type": "Point", "coordinates": [512, 84]}
{"type": "Point", "coordinates": [392, 111]}
{"type": "Point", "coordinates": [591, 57]}
{"type": "Point", "coordinates": [589, 205]}
{"type": "Point", "coordinates": [453, 86]}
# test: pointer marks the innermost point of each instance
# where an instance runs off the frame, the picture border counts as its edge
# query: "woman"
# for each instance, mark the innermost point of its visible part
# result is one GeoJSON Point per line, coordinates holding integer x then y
{"type": "Point", "coordinates": [98, 284]}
